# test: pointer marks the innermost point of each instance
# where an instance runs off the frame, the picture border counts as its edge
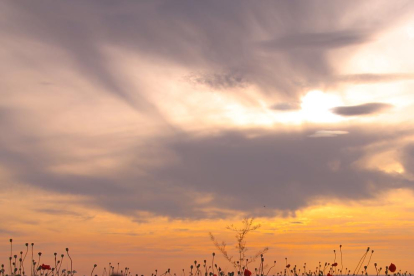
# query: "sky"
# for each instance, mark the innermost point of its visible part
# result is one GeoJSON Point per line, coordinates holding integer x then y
{"type": "Point", "coordinates": [130, 130]}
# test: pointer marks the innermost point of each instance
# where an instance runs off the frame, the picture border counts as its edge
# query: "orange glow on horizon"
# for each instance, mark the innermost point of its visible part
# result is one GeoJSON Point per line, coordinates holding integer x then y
{"type": "Point", "coordinates": [95, 236]}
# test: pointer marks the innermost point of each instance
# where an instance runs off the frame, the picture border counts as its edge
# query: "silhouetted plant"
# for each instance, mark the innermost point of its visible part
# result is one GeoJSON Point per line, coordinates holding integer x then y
{"type": "Point", "coordinates": [241, 248]}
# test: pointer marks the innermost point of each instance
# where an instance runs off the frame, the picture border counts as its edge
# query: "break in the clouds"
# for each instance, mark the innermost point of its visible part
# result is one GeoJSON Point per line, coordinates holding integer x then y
{"type": "Point", "coordinates": [328, 133]}
{"type": "Point", "coordinates": [205, 109]}
{"type": "Point", "coordinates": [362, 109]}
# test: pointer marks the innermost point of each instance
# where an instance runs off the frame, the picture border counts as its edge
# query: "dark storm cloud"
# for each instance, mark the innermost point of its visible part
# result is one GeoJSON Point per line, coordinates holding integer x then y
{"type": "Point", "coordinates": [282, 171]}
{"type": "Point", "coordinates": [228, 171]}
{"type": "Point", "coordinates": [363, 109]}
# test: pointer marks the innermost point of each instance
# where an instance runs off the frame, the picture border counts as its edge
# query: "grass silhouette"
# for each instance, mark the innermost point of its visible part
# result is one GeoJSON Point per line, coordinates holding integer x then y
{"type": "Point", "coordinates": [17, 267]}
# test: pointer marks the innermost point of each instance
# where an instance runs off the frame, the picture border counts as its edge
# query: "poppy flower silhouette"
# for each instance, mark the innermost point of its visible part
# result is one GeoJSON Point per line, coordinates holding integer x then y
{"type": "Point", "coordinates": [392, 267]}
{"type": "Point", "coordinates": [247, 272]}
{"type": "Point", "coordinates": [45, 267]}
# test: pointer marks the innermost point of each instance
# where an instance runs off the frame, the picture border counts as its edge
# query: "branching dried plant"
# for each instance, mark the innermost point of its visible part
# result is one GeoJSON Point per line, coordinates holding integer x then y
{"type": "Point", "coordinates": [241, 233]}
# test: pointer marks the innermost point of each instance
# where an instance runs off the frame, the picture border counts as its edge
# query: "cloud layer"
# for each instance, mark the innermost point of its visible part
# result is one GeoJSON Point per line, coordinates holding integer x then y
{"type": "Point", "coordinates": [127, 105]}
{"type": "Point", "coordinates": [217, 175]}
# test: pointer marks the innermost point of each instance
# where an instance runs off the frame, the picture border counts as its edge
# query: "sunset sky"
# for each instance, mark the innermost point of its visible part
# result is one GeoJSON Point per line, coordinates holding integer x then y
{"type": "Point", "coordinates": [130, 130]}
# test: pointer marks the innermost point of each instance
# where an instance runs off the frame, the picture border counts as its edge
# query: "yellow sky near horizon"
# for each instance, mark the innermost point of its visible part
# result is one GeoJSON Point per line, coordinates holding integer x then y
{"type": "Point", "coordinates": [385, 224]}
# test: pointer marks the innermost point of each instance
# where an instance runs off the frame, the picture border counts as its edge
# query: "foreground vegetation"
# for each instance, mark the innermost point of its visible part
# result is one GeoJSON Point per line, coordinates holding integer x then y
{"type": "Point", "coordinates": [27, 262]}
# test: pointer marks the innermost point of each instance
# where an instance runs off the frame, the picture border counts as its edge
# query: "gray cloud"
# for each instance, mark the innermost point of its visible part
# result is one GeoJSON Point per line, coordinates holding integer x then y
{"type": "Point", "coordinates": [408, 158]}
{"type": "Point", "coordinates": [219, 81]}
{"type": "Point", "coordinates": [286, 106]}
{"type": "Point", "coordinates": [362, 109]}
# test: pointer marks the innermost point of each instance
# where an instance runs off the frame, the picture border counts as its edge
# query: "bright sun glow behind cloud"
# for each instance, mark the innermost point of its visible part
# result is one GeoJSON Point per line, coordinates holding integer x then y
{"type": "Point", "coordinates": [193, 105]}
{"type": "Point", "coordinates": [316, 107]}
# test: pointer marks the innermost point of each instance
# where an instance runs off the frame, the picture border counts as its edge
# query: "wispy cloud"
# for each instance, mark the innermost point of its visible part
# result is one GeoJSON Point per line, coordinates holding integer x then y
{"type": "Point", "coordinates": [318, 40]}
{"type": "Point", "coordinates": [372, 78]}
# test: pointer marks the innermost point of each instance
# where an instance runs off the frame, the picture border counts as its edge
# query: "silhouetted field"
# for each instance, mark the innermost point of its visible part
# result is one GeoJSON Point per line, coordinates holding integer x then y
{"type": "Point", "coordinates": [29, 262]}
